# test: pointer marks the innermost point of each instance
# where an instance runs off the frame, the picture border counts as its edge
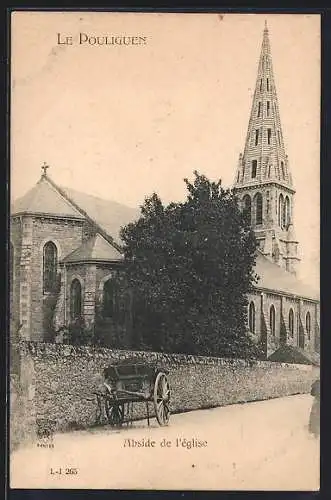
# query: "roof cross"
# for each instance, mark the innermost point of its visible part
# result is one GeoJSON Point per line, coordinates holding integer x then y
{"type": "Point", "coordinates": [44, 168]}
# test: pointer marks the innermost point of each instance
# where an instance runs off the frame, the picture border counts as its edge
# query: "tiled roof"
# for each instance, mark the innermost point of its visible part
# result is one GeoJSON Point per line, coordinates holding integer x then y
{"type": "Point", "coordinates": [43, 198]}
{"type": "Point", "coordinates": [95, 249]}
{"type": "Point", "coordinates": [273, 277]}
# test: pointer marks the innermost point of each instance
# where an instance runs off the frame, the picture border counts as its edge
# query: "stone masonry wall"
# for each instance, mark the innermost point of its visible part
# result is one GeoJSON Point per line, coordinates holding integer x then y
{"type": "Point", "coordinates": [59, 381]}
{"type": "Point", "coordinates": [282, 305]}
{"type": "Point", "coordinates": [16, 242]}
{"type": "Point", "coordinates": [67, 236]}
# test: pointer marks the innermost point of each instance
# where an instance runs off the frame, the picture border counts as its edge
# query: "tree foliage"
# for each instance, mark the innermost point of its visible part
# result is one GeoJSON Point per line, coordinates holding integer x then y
{"type": "Point", "coordinates": [190, 266]}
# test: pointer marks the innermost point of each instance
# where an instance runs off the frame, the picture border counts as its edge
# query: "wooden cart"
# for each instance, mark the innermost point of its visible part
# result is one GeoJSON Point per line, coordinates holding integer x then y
{"type": "Point", "coordinates": [129, 383]}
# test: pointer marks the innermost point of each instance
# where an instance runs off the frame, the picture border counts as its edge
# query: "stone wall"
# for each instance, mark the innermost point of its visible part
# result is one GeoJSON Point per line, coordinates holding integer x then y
{"type": "Point", "coordinates": [28, 235]}
{"type": "Point", "coordinates": [15, 248]}
{"type": "Point", "coordinates": [282, 304]}
{"type": "Point", "coordinates": [57, 381]}
{"type": "Point", "coordinates": [66, 234]}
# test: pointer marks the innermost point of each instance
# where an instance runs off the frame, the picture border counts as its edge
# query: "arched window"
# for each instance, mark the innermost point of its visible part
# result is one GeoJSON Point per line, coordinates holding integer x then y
{"type": "Point", "coordinates": [109, 298]}
{"type": "Point", "coordinates": [251, 317]}
{"type": "Point", "coordinates": [287, 215]}
{"type": "Point", "coordinates": [247, 211]}
{"type": "Point", "coordinates": [75, 299]}
{"type": "Point", "coordinates": [49, 266]}
{"type": "Point", "coordinates": [284, 215]}
{"type": "Point", "coordinates": [291, 322]}
{"type": "Point", "coordinates": [308, 324]}
{"type": "Point", "coordinates": [272, 320]}
{"type": "Point", "coordinates": [280, 210]}
{"type": "Point", "coordinates": [258, 208]}
{"type": "Point", "coordinates": [283, 169]}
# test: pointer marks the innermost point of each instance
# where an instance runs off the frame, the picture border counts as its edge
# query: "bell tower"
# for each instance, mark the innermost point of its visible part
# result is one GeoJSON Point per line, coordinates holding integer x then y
{"type": "Point", "coordinates": [263, 180]}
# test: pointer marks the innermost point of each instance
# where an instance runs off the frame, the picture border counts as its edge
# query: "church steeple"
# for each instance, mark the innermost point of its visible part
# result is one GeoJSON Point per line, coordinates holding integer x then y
{"type": "Point", "coordinates": [264, 158]}
{"type": "Point", "coordinates": [263, 179]}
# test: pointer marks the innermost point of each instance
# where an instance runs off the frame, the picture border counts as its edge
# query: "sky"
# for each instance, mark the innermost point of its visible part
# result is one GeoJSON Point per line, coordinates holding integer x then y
{"type": "Point", "coordinates": [124, 121]}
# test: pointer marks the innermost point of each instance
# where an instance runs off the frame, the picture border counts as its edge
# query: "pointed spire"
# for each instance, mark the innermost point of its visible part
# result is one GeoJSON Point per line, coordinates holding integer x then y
{"type": "Point", "coordinates": [264, 158]}
{"type": "Point", "coordinates": [266, 42]}
{"type": "Point", "coordinates": [263, 179]}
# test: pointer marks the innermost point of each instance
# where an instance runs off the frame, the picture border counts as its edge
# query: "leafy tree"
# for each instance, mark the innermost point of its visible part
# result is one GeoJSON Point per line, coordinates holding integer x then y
{"type": "Point", "coordinates": [119, 321]}
{"type": "Point", "coordinates": [190, 266]}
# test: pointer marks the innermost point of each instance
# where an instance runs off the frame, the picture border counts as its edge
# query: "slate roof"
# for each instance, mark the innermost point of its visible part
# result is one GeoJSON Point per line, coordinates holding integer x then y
{"type": "Point", "coordinates": [96, 249]}
{"type": "Point", "coordinates": [47, 198]}
{"type": "Point", "coordinates": [273, 277]}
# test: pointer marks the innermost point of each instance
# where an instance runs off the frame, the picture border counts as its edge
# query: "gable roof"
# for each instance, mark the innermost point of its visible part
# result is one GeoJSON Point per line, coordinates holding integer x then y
{"type": "Point", "coordinates": [44, 199]}
{"type": "Point", "coordinates": [95, 249]}
{"type": "Point", "coordinates": [47, 198]}
{"type": "Point", "coordinates": [109, 215]}
{"type": "Point", "coordinates": [273, 277]}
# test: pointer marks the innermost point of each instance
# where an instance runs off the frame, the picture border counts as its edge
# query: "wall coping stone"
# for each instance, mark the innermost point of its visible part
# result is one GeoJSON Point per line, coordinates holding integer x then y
{"type": "Point", "coordinates": [43, 349]}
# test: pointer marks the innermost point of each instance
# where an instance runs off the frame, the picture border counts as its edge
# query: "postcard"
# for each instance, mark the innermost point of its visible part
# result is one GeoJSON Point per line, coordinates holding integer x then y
{"type": "Point", "coordinates": [164, 250]}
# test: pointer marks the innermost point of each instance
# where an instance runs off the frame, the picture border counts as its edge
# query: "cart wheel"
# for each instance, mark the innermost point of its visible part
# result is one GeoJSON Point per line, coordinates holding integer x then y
{"type": "Point", "coordinates": [162, 398]}
{"type": "Point", "coordinates": [115, 413]}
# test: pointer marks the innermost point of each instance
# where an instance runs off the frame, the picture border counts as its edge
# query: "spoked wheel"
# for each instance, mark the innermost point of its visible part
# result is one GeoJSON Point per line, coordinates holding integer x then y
{"type": "Point", "coordinates": [161, 398]}
{"type": "Point", "coordinates": [115, 413]}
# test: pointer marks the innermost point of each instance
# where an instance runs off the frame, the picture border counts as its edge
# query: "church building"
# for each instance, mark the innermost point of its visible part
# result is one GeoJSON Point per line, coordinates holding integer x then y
{"type": "Point", "coordinates": [65, 249]}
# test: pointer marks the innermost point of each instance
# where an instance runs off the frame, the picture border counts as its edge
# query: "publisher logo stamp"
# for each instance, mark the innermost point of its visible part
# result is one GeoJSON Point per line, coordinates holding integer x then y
{"type": "Point", "coordinates": [45, 432]}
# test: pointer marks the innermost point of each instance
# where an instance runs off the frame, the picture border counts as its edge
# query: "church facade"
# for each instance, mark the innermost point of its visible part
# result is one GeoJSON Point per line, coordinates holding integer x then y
{"type": "Point", "coordinates": [65, 250]}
